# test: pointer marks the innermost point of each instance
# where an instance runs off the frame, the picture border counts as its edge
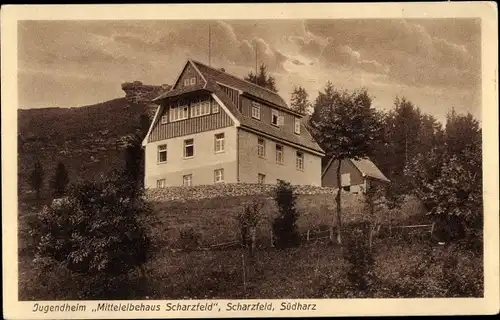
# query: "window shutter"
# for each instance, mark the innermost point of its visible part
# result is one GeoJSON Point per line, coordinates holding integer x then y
{"type": "Point", "coordinates": [281, 120]}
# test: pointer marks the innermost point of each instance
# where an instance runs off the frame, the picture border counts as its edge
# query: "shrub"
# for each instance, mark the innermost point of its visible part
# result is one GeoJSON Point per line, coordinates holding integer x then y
{"type": "Point", "coordinates": [359, 257]}
{"type": "Point", "coordinates": [36, 178]}
{"type": "Point", "coordinates": [284, 226]}
{"type": "Point", "coordinates": [248, 221]}
{"type": "Point", "coordinates": [189, 239]}
{"type": "Point", "coordinates": [96, 231]}
{"type": "Point", "coordinates": [60, 181]}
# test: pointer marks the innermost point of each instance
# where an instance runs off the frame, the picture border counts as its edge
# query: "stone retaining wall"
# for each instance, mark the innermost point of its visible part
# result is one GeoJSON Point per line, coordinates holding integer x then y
{"type": "Point", "coordinates": [226, 190]}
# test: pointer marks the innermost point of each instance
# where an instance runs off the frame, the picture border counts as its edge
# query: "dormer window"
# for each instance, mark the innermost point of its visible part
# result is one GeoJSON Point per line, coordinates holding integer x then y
{"type": "Point", "coordinates": [255, 110]}
{"type": "Point", "coordinates": [275, 118]}
{"type": "Point", "coordinates": [297, 125]}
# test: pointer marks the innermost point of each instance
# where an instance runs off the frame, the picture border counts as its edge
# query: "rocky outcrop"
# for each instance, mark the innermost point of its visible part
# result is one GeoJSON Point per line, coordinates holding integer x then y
{"type": "Point", "coordinates": [136, 92]}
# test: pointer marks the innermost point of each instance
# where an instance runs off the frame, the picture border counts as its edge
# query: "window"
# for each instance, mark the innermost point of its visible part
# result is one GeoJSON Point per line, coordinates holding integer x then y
{"type": "Point", "coordinates": [297, 125]}
{"type": "Point", "coordinates": [261, 148]}
{"type": "Point", "coordinates": [192, 81]}
{"type": "Point", "coordinates": [261, 178]}
{"type": "Point", "coordinates": [345, 179]}
{"type": "Point", "coordinates": [162, 153]}
{"type": "Point", "coordinates": [219, 142]}
{"type": "Point", "coordinates": [186, 82]}
{"type": "Point", "coordinates": [299, 161]}
{"type": "Point", "coordinates": [215, 106]}
{"type": "Point", "coordinates": [200, 108]}
{"type": "Point", "coordinates": [219, 175]}
{"type": "Point", "coordinates": [160, 183]}
{"type": "Point", "coordinates": [188, 148]}
{"type": "Point", "coordinates": [275, 118]}
{"type": "Point", "coordinates": [179, 113]}
{"type": "Point", "coordinates": [187, 180]}
{"type": "Point", "coordinates": [279, 153]}
{"type": "Point", "coordinates": [255, 110]}
{"type": "Point", "coordinates": [347, 188]}
{"type": "Point", "coordinates": [164, 119]}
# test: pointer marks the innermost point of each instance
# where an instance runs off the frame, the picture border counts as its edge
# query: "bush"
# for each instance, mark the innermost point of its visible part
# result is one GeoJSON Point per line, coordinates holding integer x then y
{"type": "Point", "coordinates": [189, 239]}
{"type": "Point", "coordinates": [95, 231]}
{"type": "Point", "coordinates": [284, 226]}
{"type": "Point", "coordinates": [359, 257]}
{"type": "Point", "coordinates": [248, 221]}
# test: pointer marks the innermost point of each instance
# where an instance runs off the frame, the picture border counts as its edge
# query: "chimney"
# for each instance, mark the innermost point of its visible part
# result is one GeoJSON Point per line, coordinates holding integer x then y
{"type": "Point", "coordinates": [222, 69]}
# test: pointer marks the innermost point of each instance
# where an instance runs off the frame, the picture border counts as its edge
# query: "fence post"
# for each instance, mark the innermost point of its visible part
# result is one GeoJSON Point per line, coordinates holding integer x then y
{"type": "Point", "coordinates": [272, 240]}
{"type": "Point", "coordinates": [307, 234]}
{"type": "Point", "coordinates": [244, 273]}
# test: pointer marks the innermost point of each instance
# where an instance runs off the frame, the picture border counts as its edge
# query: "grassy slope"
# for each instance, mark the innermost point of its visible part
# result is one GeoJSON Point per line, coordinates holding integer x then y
{"type": "Point", "coordinates": [84, 138]}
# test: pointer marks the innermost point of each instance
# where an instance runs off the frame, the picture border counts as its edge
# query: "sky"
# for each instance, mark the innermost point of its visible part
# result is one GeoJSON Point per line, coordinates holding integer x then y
{"type": "Point", "coordinates": [435, 63]}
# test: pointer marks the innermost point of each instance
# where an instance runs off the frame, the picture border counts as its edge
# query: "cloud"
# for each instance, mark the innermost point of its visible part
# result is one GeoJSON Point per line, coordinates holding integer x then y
{"type": "Point", "coordinates": [405, 48]}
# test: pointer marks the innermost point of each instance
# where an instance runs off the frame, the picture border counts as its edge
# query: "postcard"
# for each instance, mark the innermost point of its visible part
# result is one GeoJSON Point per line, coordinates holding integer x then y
{"type": "Point", "coordinates": [249, 160]}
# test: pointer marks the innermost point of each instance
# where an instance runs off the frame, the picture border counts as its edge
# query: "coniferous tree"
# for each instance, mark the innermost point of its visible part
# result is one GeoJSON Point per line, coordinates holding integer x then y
{"type": "Point", "coordinates": [299, 101]}
{"type": "Point", "coordinates": [284, 226]}
{"type": "Point", "coordinates": [263, 78]}
{"type": "Point", "coordinates": [36, 178]}
{"type": "Point", "coordinates": [60, 180]}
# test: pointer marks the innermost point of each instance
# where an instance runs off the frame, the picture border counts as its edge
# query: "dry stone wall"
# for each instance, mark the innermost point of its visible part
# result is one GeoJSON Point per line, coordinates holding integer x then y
{"type": "Point", "coordinates": [226, 190]}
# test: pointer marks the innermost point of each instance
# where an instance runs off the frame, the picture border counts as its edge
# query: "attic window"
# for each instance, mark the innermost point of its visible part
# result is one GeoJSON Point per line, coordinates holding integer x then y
{"type": "Point", "coordinates": [192, 81]}
{"type": "Point", "coordinates": [164, 119]}
{"type": "Point", "coordinates": [276, 119]}
{"type": "Point", "coordinates": [255, 110]}
{"type": "Point", "coordinates": [297, 125]}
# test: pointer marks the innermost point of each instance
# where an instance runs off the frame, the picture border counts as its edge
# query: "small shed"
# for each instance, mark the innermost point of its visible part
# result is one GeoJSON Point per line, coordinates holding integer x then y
{"type": "Point", "coordinates": [356, 175]}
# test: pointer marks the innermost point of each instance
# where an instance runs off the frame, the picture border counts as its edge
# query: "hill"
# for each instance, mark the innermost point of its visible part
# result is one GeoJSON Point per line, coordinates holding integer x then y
{"type": "Point", "coordinates": [85, 139]}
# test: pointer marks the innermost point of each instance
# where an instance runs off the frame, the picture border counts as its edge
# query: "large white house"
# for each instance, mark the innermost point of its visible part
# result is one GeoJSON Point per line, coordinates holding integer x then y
{"type": "Point", "coordinates": [213, 127]}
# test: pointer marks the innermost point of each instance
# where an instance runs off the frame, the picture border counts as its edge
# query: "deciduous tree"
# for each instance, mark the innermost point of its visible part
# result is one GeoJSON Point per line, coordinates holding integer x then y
{"type": "Point", "coordinates": [299, 101]}
{"type": "Point", "coordinates": [346, 127]}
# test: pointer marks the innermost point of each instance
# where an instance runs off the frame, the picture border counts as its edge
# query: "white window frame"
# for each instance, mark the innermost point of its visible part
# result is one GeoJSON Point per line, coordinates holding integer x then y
{"type": "Point", "coordinates": [219, 175]}
{"type": "Point", "coordinates": [280, 150]}
{"type": "Point", "coordinates": [164, 119]}
{"type": "Point", "coordinates": [162, 148]}
{"type": "Point", "coordinates": [255, 110]}
{"type": "Point", "coordinates": [186, 145]}
{"type": "Point", "coordinates": [192, 81]}
{"type": "Point", "coordinates": [261, 147]}
{"type": "Point", "coordinates": [261, 178]}
{"type": "Point", "coordinates": [274, 114]}
{"type": "Point", "coordinates": [179, 112]}
{"type": "Point", "coordinates": [186, 82]}
{"type": "Point", "coordinates": [200, 108]}
{"type": "Point", "coordinates": [219, 142]}
{"type": "Point", "coordinates": [297, 126]}
{"type": "Point", "coordinates": [189, 178]}
{"type": "Point", "coordinates": [214, 106]}
{"type": "Point", "coordinates": [160, 183]}
{"type": "Point", "coordinates": [299, 160]}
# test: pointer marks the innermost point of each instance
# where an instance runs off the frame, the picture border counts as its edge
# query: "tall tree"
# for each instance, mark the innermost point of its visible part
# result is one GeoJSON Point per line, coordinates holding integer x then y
{"type": "Point", "coordinates": [36, 178]}
{"type": "Point", "coordinates": [462, 135]}
{"type": "Point", "coordinates": [299, 101]}
{"type": "Point", "coordinates": [263, 78]}
{"type": "Point", "coordinates": [346, 127]}
{"type": "Point", "coordinates": [60, 180]}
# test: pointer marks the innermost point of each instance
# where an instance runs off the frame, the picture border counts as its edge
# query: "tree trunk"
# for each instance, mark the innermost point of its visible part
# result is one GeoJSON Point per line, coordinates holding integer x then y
{"type": "Point", "coordinates": [253, 237]}
{"type": "Point", "coordinates": [339, 207]}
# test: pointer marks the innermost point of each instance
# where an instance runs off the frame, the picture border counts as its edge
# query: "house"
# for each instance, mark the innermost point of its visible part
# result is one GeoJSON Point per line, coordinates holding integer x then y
{"type": "Point", "coordinates": [356, 175]}
{"type": "Point", "coordinates": [213, 127]}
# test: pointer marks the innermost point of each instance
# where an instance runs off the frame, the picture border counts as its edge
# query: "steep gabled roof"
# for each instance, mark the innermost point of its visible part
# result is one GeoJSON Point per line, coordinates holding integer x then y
{"type": "Point", "coordinates": [365, 166]}
{"type": "Point", "coordinates": [240, 84]}
{"type": "Point", "coordinates": [369, 169]}
{"type": "Point", "coordinates": [214, 76]}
